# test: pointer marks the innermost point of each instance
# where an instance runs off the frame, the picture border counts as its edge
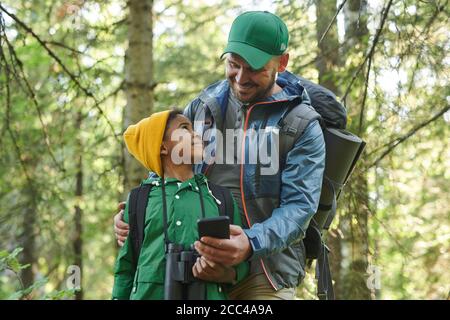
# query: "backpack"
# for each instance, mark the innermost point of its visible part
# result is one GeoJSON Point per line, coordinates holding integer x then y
{"type": "Point", "coordinates": [138, 202]}
{"type": "Point", "coordinates": [343, 149]}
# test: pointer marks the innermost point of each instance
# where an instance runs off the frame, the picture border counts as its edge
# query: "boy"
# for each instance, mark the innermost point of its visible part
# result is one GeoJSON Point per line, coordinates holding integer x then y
{"type": "Point", "coordinates": [176, 200]}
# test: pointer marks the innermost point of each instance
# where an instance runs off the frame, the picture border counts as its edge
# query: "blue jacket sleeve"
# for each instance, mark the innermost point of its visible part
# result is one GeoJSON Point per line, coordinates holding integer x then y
{"type": "Point", "coordinates": [301, 185]}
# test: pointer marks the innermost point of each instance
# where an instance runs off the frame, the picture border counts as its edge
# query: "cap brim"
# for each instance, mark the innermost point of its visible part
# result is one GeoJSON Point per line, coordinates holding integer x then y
{"type": "Point", "coordinates": [255, 57]}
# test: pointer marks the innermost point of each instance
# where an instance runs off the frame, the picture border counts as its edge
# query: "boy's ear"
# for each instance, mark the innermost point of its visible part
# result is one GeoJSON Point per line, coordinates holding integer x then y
{"type": "Point", "coordinates": [164, 150]}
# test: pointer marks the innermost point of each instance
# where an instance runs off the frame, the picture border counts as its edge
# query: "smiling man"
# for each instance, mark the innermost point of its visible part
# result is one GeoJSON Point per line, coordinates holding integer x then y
{"type": "Point", "coordinates": [249, 84]}
{"type": "Point", "coordinates": [259, 94]}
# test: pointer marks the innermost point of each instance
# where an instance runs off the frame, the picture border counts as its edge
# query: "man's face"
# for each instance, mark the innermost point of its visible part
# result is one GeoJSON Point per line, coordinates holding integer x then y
{"type": "Point", "coordinates": [250, 85]}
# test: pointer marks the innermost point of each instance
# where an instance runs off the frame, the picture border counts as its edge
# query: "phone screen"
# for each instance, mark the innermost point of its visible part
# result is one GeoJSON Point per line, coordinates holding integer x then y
{"type": "Point", "coordinates": [216, 227]}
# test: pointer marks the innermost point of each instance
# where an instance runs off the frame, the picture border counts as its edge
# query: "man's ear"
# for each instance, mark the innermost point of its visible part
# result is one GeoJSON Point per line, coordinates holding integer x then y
{"type": "Point", "coordinates": [284, 59]}
{"type": "Point", "coordinates": [164, 150]}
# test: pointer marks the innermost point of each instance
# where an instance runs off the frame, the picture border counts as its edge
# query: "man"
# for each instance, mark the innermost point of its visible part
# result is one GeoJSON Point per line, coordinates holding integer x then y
{"type": "Point", "coordinates": [276, 207]}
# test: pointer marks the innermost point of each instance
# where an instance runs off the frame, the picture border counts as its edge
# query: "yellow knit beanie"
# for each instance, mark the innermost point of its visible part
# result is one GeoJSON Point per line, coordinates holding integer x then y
{"type": "Point", "coordinates": [144, 140]}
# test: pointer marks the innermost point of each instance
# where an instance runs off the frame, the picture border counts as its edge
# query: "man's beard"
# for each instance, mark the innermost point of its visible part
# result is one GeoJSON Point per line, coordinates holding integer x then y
{"type": "Point", "coordinates": [259, 96]}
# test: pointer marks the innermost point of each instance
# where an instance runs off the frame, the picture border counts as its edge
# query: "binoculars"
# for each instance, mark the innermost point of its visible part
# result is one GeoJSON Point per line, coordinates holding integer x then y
{"type": "Point", "coordinates": [180, 283]}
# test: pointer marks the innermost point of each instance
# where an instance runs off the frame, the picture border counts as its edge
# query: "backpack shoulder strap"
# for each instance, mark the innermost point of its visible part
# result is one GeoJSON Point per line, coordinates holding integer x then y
{"type": "Point", "coordinates": [293, 123]}
{"type": "Point", "coordinates": [136, 212]}
{"type": "Point", "coordinates": [226, 201]}
{"type": "Point", "coordinates": [325, 290]}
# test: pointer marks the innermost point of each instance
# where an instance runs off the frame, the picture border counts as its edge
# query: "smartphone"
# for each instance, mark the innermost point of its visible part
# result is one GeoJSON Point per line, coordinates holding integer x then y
{"type": "Point", "coordinates": [216, 227]}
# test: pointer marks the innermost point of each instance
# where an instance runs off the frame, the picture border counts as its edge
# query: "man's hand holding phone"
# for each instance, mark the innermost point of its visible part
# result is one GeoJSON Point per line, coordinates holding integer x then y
{"type": "Point", "coordinates": [208, 270]}
{"type": "Point", "coordinates": [228, 252]}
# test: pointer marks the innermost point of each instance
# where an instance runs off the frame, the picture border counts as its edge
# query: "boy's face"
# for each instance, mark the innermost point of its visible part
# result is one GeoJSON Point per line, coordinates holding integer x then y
{"type": "Point", "coordinates": [181, 142]}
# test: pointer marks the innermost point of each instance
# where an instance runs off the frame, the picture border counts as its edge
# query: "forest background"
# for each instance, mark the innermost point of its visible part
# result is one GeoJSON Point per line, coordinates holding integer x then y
{"type": "Point", "coordinates": [74, 74]}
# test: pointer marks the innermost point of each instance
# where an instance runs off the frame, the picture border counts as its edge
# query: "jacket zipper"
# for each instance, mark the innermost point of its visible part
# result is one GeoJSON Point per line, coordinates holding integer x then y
{"type": "Point", "coordinates": [244, 206]}
{"type": "Point", "coordinates": [135, 282]}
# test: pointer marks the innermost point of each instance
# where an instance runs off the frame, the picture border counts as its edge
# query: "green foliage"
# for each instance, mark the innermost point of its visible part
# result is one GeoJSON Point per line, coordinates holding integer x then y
{"type": "Point", "coordinates": [41, 139]}
{"type": "Point", "coordinates": [9, 261]}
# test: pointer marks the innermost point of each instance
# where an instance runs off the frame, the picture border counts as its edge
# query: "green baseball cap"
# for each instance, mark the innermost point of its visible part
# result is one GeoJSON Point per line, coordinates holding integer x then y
{"type": "Point", "coordinates": [257, 36]}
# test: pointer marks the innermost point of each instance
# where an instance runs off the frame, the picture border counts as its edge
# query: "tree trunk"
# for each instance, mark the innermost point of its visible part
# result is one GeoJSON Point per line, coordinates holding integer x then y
{"type": "Point", "coordinates": [327, 63]}
{"type": "Point", "coordinates": [355, 21]}
{"type": "Point", "coordinates": [77, 240]}
{"type": "Point", "coordinates": [355, 249]}
{"type": "Point", "coordinates": [28, 238]}
{"type": "Point", "coordinates": [328, 58]}
{"type": "Point", "coordinates": [356, 244]}
{"type": "Point", "coordinates": [138, 79]}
